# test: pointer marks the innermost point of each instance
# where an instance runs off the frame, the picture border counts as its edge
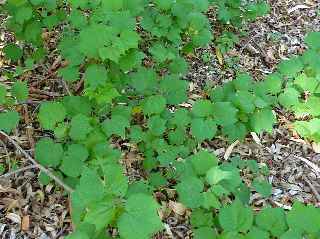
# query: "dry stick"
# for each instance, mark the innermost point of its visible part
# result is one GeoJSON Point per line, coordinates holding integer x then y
{"type": "Point", "coordinates": [45, 170]}
{"type": "Point", "coordinates": [313, 189]}
{"type": "Point", "coordinates": [9, 174]}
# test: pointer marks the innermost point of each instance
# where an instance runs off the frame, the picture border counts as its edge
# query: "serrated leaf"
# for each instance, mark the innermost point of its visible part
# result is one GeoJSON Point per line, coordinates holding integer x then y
{"type": "Point", "coordinates": [202, 161]}
{"type": "Point", "coordinates": [48, 153]}
{"type": "Point", "coordinates": [73, 160]}
{"type": "Point", "coordinates": [13, 52]}
{"type": "Point", "coordinates": [272, 220]}
{"type": "Point", "coordinates": [236, 217]}
{"type": "Point", "coordinates": [257, 233]}
{"type": "Point", "coordinates": [262, 120]}
{"type": "Point", "coordinates": [157, 125]}
{"type": "Point", "coordinates": [312, 39]}
{"type": "Point", "coordinates": [262, 187]}
{"type": "Point", "coordinates": [291, 67]}
{"type": "Point", "coordinates": [8, 121]}
{"type": "Point", "coordinates": [69, 73]}
{"type": "Point", "coordinates": [115, 180]}
{"type": "Point", "coordinates": [20, 91]}
{"type": "Point", "coordinates": [140, 210]}
{"type": "Point", "coordinates": [90, 188]}
{"type": "Point", "coordinates": [50, 114]}
{"type": "Point", "coordinates": [304, 218]}
{"type": "Point", "coordinates": [194, 185]}
{"type": "Point", "coordinates": [202, 108]}
{"type": "Point", "coordinates": [154, 105]}
{"type": "Point", "coordinates": [80, 127]}
{"type": "Point", "coordinates": [143, 80]}
{"type": "Point", "coordinates": [203, 129]}
{"type": "Point", "coordinates": [215, 175]}
{"type": "Point", "coordinates": [225, 113]}
{"type": "Point", "coordinates": [116, 126]}
{"type": "Point", "coordinates": [289, 97]}
{"type": "Point", "coordinates": [95, 75]}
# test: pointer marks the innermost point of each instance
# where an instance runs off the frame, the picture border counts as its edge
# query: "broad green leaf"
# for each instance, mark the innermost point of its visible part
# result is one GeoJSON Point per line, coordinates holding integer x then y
{"type": "Point", "coordinates": [154, 105]}
{"type": "Point", "coordinates": [203, 129]}
{"type": "Point", "coordinates": [312, 39]}
{"type": "Point", "coordinates": [290, 67]}
{"type": "Point", "coordinates": [204, 233]}
{"type": "Point", "coordinates": [69, 73]}
{"type": "Point", "coordinates": [13, 52]}
{"type": "Point", "coordinates": [80, 127]}
{"type": "Point", "coordinates": [262, 120]}
{"type": "Point", "coordinates": [202, 108]}
{"type": "Point", "coordinates": [144, 79]}
{"type": "Point", "coordinates": [116, 126]}
{"type": "Point", "coordinates": [236, 217]}
{"type": "Point", "coordinates": [23, 14]}
{"type": "Point", "coordinates": [215, 175]}
{"type": "Point", "coordinates": [194, 185]}
{"type": "Point", "coordinates": [115, 180]}
{"type": "Point", "coordinates": [201, 218]}
{"type": "Point", "coordinates": [140, 220]}
{"type": "Point", "coordinates": [50, 114]}
{"type": "Point", "coordinates": [256, 233]}
{"type": "Point", "coordinates": [48, 153]}
{"type": "Point", "coordinates": [304, 218]}
{"type": "Point", "coordinates": [157, 125]}
{"type": "Point", "coordinates": [95, 75]}
{"type": "Point", "coordinates": [73, 160]}
{"type": "Point", "coordinates": [20, 91]}
{"type": "Point", "coordinates": [289, 97]}
{"type": "Point", "coordinates": [9, 120]}
{"type": "Point", "coordinates": [272, 220]}
{"type": "Point", "coordinates": [202, 161]}
{"type": "Point", "coordinates": [3, 94]}
{"type": "Point", "coordinates": [262, 187]}
{"type": "Point", "coordinates": [210, 201]}
{"type": "Point", "coordinates": [225, 113]}
{"type": "Point", "coordinates": [273, 83]}
{"type": "Point", "coordinates": [90, 187]}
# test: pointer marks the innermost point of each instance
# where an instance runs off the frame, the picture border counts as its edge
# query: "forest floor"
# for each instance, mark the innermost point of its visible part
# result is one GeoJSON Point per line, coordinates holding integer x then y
{"type": "Point", "coordinates": [29, 210]}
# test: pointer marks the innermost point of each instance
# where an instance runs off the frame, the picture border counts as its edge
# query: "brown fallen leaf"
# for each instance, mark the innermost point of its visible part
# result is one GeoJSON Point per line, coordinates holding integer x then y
{"type": "Point", "coordinates": [25, 224]}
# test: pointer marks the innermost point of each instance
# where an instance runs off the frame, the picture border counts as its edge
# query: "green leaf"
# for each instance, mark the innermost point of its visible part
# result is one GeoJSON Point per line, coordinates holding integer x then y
{"type": "Point", "coordinates": [256, 233]}
{"type": "Point", "coordinates": [20, 91]}
{"type": "Point", "coordinates": [73, 160]}
{"type": "Point", "coordinates": [202, 108]}
{"type": "Point", "coordinates": [236, 131]}
{"type": "Point", "coordinates": [8, 121]}
{"type": "Point", "coordinates": [144, 79]}
{"type": "Point", "coordinates": [201, 218]}
{"type": "Point", "coordinates": [236, 217]}
{"type": "Point", "coordinates": [262, 120]}
{"type": "Point", "coordinates": [272, 220]}
{"type": "Point", "coordinates": [203, 129]}
{"type": "Point", "coordinates": [215, 175]}
{"type": "Point", "coordinates": [156, 125]}
{"type": "Point", "coordinates": [95, 75]}
{"type": "Point", "coordinates": [140, 219]}
{"type": "Point", "coordinates": [115, 180]}
{"type": "Point", "coordinates": [13, 52]}
{"type": "Point", "coordinates": [273, 83]}
{"type": "Point", "coordinates": [203, 160]}
{"type": "Point", "coordinates": [312, 40]}
{"type": "Point", "coordinates": [3, 94]}
{"type": "Point", "coordinates": [304, 218]}
{"type": "Point", "coordinates": [204, 233]}
{"type": "Point", "coordinates": [23, 14]}
{"type": "Point", "coordinates": [289, 97]}
{"type": "Point", "coordinates": [90, 187]}
{"type": "Point", "coordinates": [210, 201]}
{"type": "Point", "coordinates": [116, 126]}
{"type": "Point", "coordinates": [69, 73]}
{"type": "Point", "coordinates": [80, 127]}
{"type": "Point", "coordinates": [154, 105]}
{"type": "Point", "coordinates": [225, 113]}
{"type": "Point", "coordinates": [194, 185]}
{"type": "Point", "coordinates": [262, 187]}
{"type": "Point", "coordinates": [48, 153]}
{"type": "Point", "coordinates": [50, 114]}
{"type": "Point", "coordinates": [291, 67]}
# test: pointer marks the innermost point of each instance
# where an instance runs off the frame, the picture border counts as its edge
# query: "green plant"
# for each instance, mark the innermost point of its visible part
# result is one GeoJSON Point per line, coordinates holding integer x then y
{"type": "Point", "coordinates": [130, 55]}
{"type": "Point", "coordinates": [301, 92]}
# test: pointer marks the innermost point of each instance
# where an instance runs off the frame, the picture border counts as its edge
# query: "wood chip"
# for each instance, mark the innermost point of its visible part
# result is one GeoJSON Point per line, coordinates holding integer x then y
{"type": "Point", "coordinates": [230, 149]}
{"type": "Point", "coordinates": [25, 224]}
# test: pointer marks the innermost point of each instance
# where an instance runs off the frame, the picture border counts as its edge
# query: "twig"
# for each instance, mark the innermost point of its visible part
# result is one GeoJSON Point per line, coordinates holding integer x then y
{"type": "Point", "coordinates": [9, 174]}
{"type": "Point", "coordinates": [33, 161]}
{"type": "Point", "coordinates": [313, 189]}
{"type": "Point", "coordinates": [310, 164]}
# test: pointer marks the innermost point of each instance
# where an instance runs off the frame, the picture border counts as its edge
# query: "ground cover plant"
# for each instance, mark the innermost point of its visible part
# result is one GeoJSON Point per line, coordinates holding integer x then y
{"type": "Point", "coordinates": [130, 58]}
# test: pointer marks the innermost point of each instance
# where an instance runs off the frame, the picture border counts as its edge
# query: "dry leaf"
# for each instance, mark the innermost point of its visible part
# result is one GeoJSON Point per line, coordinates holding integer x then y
{"type": "Point", "coordinates": [25, 224]}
